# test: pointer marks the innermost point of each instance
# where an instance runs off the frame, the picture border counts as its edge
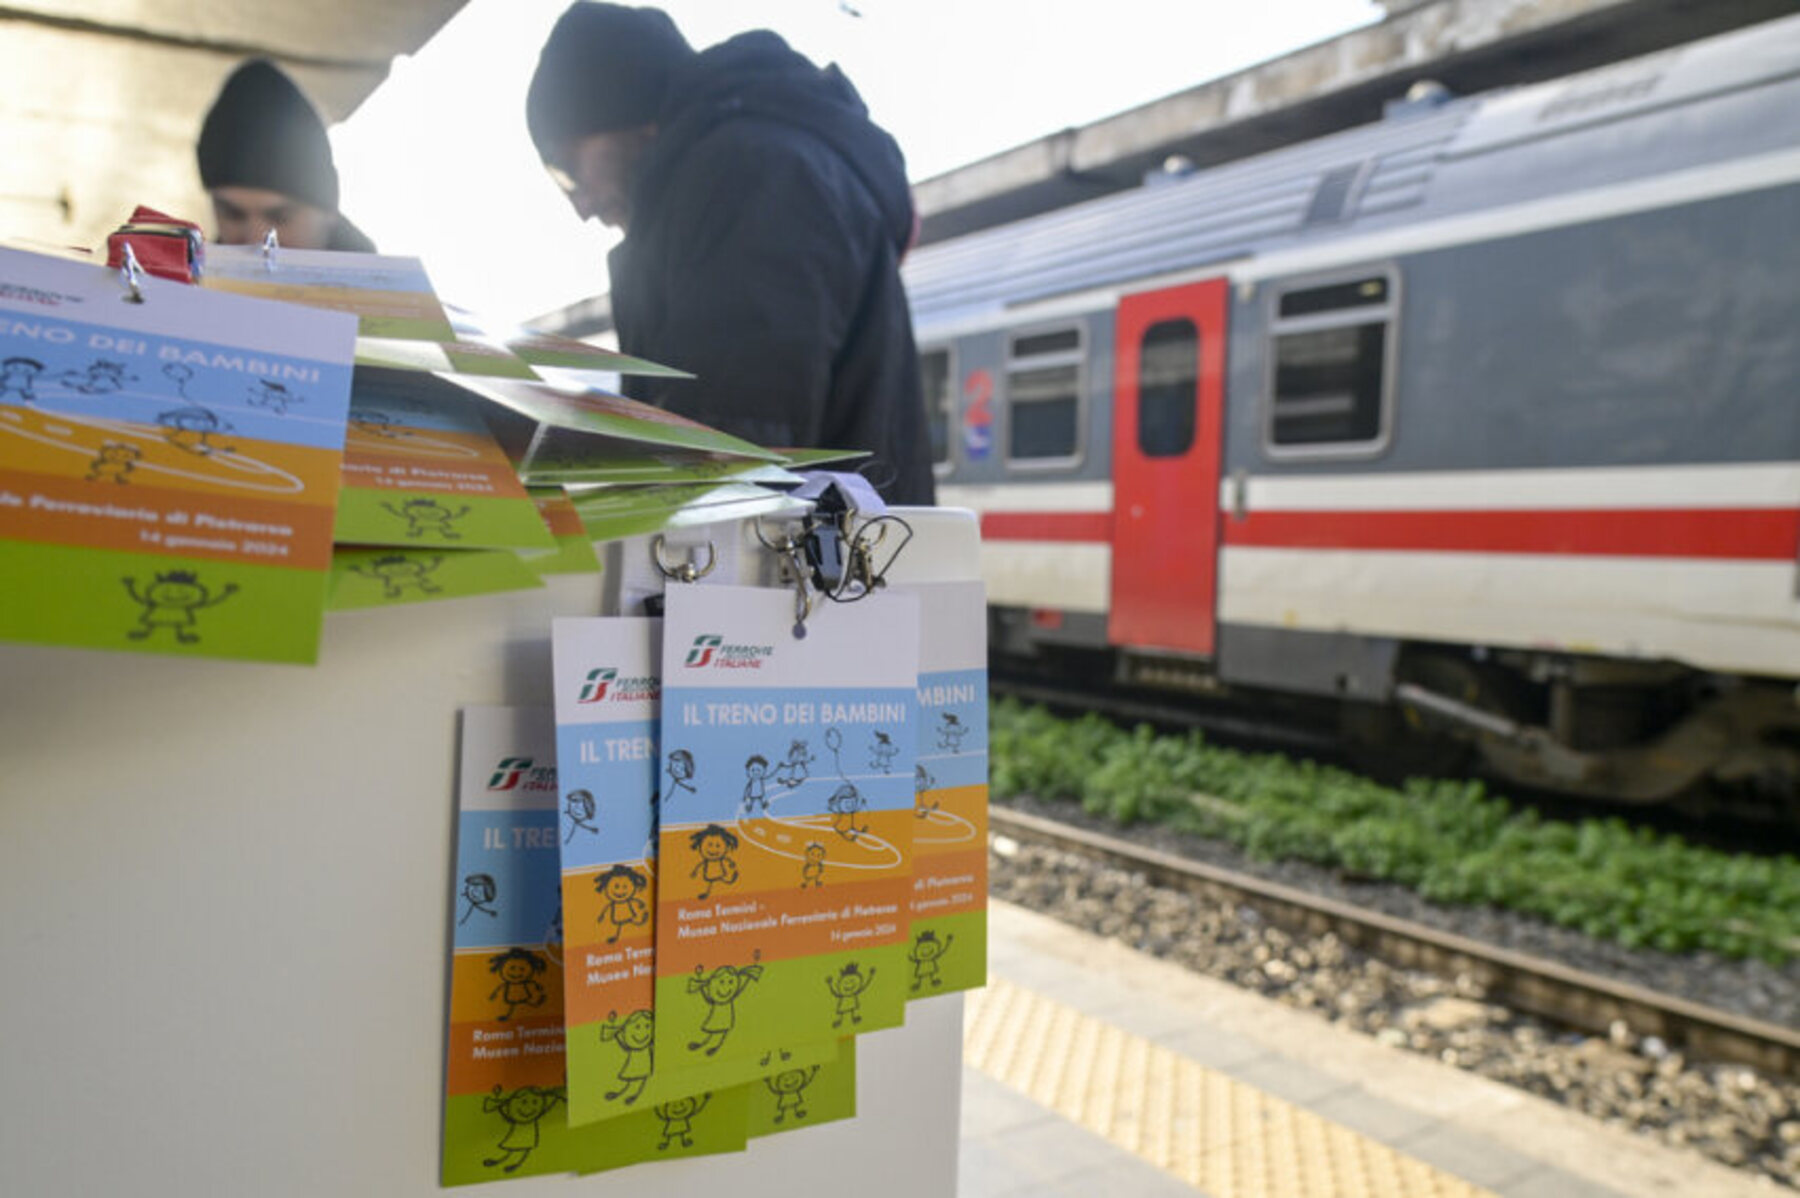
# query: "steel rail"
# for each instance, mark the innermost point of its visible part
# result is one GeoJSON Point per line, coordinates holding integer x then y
{"type": "Point", "coordinates": [1549, 989]}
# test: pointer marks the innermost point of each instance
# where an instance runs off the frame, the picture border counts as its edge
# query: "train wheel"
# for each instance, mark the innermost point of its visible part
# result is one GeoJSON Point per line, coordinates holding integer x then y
{"type": "Point", "coordinates": [1385, 743]}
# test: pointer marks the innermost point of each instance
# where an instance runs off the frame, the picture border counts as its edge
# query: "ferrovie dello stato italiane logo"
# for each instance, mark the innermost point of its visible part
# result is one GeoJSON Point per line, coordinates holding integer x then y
{"type": "Point", "coordinates": [593, 687]}
{"type": "Point", "coordinates": [711, 652]}
{"type": "Point", "coordinates": [604, 683]}
{"type": "Point", "coordinates": [518, 773]}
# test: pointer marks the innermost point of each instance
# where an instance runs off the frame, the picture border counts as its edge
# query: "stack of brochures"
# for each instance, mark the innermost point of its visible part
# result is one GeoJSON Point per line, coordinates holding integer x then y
{"type": "Point", "coordinates": [206, 470]}
{"type": "Point", "coordinates": [719, 854]}
{"type": "Point", "coordinates": [735, 837]}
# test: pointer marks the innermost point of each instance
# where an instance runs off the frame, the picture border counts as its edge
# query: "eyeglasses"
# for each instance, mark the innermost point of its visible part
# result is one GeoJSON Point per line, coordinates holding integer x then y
{"type": "Point", "coordinates": [561, 177]}
{"type": "Point", "coordinates": [597, 159]}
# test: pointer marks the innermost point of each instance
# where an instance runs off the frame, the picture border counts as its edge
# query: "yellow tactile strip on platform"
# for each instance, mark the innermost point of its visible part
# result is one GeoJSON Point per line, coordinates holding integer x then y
{"type": "Point", "coordinates": [1227, 1138]}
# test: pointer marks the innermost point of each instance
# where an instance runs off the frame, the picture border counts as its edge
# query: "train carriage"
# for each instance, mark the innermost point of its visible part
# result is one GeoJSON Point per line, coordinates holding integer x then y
{"type": "Point", "coordinates": [1484, 418]}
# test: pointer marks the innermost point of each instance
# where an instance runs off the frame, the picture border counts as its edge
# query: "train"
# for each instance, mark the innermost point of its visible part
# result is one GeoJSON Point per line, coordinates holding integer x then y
{"type": "Point", "coordinates": [1472, 434]}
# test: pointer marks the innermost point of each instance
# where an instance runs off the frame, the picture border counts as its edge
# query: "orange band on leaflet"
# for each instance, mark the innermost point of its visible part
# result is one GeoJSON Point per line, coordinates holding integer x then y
{"type": "Point", "coordinates": [809, 927]}
{"type": "Point", "coordinates": [57, 511]}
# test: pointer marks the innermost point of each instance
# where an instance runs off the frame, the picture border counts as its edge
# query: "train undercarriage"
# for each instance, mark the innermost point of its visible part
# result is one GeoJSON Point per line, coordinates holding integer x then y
{"type": "Point", "coordinates": [1633, 733]}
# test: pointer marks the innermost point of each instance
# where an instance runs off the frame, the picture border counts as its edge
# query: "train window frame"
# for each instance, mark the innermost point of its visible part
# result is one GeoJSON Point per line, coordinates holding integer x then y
{"type": "Point", "coordinates": [1076, 356]}
{"type": "Point", "coordinates": [1276, 326]}
{"type": "Point", "coordinates": [951, 391]}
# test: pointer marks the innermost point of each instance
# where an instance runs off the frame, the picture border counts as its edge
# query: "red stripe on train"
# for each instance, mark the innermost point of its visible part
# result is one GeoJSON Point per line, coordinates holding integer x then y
{"type": "Point", "coordinates": [1733, 533]}
{"type": "Point", "coordinates": [1086, 527]}
{"type": "Point", "coordinates": [1757, 533]}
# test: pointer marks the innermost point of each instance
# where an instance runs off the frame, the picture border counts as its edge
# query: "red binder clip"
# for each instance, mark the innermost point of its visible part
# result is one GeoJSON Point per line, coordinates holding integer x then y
{"type": "Point", "coordinates": [165, 247]}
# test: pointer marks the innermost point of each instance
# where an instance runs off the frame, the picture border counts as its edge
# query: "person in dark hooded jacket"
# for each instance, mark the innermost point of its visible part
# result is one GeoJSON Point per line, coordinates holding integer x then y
{"type": "Point", "coordinates": [764, 215]}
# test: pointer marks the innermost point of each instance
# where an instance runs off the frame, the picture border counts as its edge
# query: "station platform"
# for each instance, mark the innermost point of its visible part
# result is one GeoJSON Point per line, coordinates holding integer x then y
{"type": "Point", "coordinates": [1091, 1069]}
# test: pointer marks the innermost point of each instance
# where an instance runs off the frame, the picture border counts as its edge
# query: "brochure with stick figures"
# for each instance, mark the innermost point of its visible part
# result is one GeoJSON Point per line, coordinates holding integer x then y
{"type": "Point", "coordinates": [390, 296]}
{"type": "Point", "coordinates": [486, 346]}
{"type": "Point", "coordinates": [574, 552]}
{"type": "Point", "coordinates": [422, 470]}
{"type": "Point", "coordinates": [608, 688]}
{"type": "Point", "coordinates": [506, 1109]}
{"type": "Point", "coordinates": [608, 699]}
{"type": "Point", "coordinates": [786, 875]}
{"type": "Point", "coordinates": [948, 947]}
{"type": "Point", "coordinates": [504, 1114]}
{"type": "Point", "coordinates": [169, 467]}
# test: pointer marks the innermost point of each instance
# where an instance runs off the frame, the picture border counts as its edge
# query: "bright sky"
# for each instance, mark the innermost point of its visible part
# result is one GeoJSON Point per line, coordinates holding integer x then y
{"type": "Point", "coordinates": [437, 162]}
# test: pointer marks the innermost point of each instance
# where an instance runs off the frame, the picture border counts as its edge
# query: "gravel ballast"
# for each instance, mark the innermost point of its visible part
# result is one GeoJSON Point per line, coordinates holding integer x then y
{"type": "Point", "coordinates": [1731, 1113]}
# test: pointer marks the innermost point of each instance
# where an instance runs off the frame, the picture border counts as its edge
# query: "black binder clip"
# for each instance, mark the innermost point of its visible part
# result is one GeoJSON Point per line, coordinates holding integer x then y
{"type": "Point", "coordinates": [836, 552]}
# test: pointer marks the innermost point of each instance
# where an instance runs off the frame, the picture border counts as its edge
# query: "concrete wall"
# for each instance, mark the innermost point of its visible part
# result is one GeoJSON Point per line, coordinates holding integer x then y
{"type": "Point", "coordinates": [104, 98]}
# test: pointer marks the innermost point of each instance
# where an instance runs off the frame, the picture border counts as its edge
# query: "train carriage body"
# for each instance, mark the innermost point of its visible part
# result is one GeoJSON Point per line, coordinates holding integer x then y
{"type": "Point", "coordinates": [1489, 412]}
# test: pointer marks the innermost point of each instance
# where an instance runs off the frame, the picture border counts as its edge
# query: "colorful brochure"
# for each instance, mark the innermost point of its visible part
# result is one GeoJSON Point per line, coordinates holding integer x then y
{"type": "Point", "coordinates": [811, 459]}
{"type": "Point", "coordinates": [476, 351]}
{"type": "Point", "coordinates": [609, 513]}
{"type": "Point", "coordinates": [505, 1113]}
{"type": "Point", "coordinates": [632, 466]}
{"type": "Point", "coordinates": [574, 552]}
{"type": "Point", "coordinates": [568, 415]}
{"type": "Point", "coordinates": [786, 821]}
{"type": "Point", "coordinates": [608, 691]}
{"type": "Point", "coordinates": [422, 469]}
{"type": "Point", "coordinates": [391, 297]}
{"type": "Point", "coordinates": [504, 1110]}
{"type": "Point", "coordinates": [550, 350]}
{"type": "Point", "coordinates": [469, 353]}
{"type": "Point", "coordinates": [948, 950]}
{"type": "Point", "coordinates": [482, 347]}
{"type": "Point", "coordinates": [387, 353]}
{"type": "Point", "coordinates": [168, 469]}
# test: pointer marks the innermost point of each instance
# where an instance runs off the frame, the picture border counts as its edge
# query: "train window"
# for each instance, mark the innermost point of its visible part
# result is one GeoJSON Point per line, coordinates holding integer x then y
{"type": "Point", "coordinates": [1043, 398]}
{"type": "Point", "coordinates": [1168, 388]}
{"type": "Point", "coordinates": [1329, 379]}
{"type": "Point", "coordinates": [1334, 298]}
{"type": "Point", "coordinates": [1041, 409]}
{"type": "Point", "coordinates": [934, 373]}
{"type": "Point", "coordinates": [1061, 341]}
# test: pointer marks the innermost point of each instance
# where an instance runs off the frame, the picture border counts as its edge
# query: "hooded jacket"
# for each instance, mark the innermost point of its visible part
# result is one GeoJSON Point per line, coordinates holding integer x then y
{"type": "Point", "coordinates": [768, 222]}
{"type": "Point", "coordinates": [346, 236]}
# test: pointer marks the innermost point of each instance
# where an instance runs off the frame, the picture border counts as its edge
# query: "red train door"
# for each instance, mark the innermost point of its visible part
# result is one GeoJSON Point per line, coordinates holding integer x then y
{"type": "Point", "coordinates": [1168, 406]}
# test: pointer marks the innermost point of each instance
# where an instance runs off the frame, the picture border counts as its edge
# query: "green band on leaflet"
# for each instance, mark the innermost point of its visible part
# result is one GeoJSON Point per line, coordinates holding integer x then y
{"type": "Point", "coordinates": [388, 577]}
{"type": "Point", "coordinates": [412, 519]}
{"type": "Point", "coordinates": [963, 964]}
{"type": "Point", "coordinates": [572, 555]}
{"type": "Point", "coordinates": [792, 1003]}
{"type": "Point", "coordinates": [105, 599]}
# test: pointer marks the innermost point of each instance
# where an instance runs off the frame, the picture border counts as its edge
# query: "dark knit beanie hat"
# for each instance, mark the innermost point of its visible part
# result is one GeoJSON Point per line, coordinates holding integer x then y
{"type": "Point", "coordinates": [262, 132]}
{"type": "Point", "coordinates": [605, 68]}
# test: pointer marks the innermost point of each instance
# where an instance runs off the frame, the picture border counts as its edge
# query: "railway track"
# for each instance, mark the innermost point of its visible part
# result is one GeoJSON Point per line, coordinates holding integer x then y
{"type": "Point", "coordinates": [1548, 989]}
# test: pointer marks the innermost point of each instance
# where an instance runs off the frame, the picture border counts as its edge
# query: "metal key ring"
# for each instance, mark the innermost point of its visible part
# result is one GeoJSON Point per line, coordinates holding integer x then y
{"type": "Point", "coordinates": [686, 571]}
